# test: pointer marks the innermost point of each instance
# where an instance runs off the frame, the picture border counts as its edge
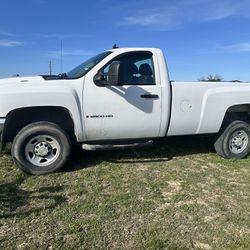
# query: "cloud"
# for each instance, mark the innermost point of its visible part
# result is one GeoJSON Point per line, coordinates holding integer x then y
{"type": "Point", "coordinates": [5, 33]}
{"type": "Point", "coordinates": [238, 47]}
{"type": "Point", "coordinates": [70, 52]}
{"type": "Point", "coordinates": [10, 43]}
{"type": "Point", "coordinates": [172, 15]}
{"type": "Point", "coordinates": [157, 20]}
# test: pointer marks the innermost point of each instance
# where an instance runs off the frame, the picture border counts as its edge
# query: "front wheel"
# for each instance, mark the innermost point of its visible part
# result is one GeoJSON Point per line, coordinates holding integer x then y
{"type": "Point", "coordinates": [234, 141]}
{"type": "Point", "coordinates": [41, 148]}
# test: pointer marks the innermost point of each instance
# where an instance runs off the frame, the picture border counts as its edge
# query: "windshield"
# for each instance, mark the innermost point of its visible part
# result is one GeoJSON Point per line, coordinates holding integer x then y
{"type": "Point", "coordinates": [85, 67]}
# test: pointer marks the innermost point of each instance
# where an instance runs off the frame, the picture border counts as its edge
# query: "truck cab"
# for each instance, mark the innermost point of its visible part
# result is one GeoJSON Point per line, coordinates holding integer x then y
{"type": "Point", "coordinates": [135, 105]}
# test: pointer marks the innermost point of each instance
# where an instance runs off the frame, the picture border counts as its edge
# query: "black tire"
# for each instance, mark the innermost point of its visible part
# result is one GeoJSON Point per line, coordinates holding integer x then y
{"type": "Point", "coordinates": [234, 140]}
{"type": "Point", "coordinates": [41, 148]}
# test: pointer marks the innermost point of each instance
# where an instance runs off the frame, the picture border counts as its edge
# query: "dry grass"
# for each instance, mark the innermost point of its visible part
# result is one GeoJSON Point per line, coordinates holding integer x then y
{"type": "Point", "coordinates": [176, 195]}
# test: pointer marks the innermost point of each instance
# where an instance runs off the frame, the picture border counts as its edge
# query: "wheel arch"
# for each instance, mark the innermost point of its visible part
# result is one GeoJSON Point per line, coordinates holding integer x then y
{"type": "Point", "coordinates": [19, 118]}
{"type": "Point", "coordinates": [236, 112]}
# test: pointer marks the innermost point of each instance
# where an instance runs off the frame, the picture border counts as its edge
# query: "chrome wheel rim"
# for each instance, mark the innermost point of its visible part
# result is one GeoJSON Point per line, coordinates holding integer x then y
{"type": "Point", "coordinates": [42, 150]}
{"type": "Point", "coordinates": [238, 142]}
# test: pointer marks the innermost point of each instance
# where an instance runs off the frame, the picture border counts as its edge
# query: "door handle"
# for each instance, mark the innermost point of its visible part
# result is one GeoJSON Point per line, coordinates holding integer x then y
{"type": "Point", "coordinates": [150, 96]}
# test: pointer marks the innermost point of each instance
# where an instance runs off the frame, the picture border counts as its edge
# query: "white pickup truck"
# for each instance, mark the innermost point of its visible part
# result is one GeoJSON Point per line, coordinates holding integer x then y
{"type": "Point", "coordinates": [120, 96]}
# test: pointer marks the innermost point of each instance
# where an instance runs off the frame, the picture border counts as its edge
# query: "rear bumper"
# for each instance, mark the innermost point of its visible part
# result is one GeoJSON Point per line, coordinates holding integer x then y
{"type": "Point", "coordinates": [2, 122]}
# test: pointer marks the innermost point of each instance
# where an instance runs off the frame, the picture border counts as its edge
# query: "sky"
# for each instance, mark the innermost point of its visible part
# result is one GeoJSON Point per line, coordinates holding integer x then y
{"type": "Point", "coordinates": [198, 37]}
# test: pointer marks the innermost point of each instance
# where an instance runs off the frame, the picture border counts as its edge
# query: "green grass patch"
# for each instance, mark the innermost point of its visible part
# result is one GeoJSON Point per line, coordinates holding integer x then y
{"type": "Point", "coordinates": [176, 195]}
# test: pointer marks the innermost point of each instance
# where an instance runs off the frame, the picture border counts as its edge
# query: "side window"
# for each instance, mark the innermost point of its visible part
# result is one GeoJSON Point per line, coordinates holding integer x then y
{"type": "Point", "coordinates": [138, 68]}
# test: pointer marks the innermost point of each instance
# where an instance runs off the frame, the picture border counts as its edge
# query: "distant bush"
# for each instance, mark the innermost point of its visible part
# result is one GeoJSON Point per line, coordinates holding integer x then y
{"type": "Point", "coordinates": [211, 78]}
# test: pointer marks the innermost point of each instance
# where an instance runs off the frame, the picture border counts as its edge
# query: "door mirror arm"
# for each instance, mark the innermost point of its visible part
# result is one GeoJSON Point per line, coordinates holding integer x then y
{"type": "Point", "coordinates": [114, 76]}
{"type": "Point", "coordinates": [99, 80]}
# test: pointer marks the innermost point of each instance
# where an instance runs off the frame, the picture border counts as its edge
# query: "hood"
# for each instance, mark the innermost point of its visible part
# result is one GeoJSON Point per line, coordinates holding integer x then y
{"type": "Point", "coordinates": [19, 80]}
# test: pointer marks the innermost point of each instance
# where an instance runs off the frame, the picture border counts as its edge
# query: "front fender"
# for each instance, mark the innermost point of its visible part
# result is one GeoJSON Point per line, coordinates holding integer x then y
{"type": "Point", "coordinates": [42, 96]}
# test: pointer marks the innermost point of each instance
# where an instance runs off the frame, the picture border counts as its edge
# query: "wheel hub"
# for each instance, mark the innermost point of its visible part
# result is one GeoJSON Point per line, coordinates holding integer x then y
{"type": "Point", "coordinates": [42, 149]}
{"type": "Point", "coordinates": [239, 142]}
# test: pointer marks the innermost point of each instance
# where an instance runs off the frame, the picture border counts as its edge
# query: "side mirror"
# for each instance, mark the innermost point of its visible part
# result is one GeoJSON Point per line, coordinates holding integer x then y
{"type": "Point", "coordinates": [115, 73]}
{"type": "Point", "coordinates": [99, 79]}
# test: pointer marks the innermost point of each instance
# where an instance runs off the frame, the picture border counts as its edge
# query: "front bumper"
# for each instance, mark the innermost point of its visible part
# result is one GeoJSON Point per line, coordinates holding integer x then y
{"type": "Point", "coordinates": [2, 122]}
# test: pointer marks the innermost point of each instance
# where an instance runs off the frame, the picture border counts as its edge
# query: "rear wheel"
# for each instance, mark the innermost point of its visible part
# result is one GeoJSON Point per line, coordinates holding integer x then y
{"type": "Point", "coordinates": [234, 141]}
{"type": "Point", "coordinates": [41, 148]}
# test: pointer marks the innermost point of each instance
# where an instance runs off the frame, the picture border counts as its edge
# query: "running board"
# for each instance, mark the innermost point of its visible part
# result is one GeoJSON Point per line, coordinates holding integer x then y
{"type": "Point", "coordinates": [92, 147]}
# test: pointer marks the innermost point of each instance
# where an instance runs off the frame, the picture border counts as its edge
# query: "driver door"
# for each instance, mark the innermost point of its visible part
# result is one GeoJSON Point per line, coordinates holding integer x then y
{"type": "Point", "coordinates": [130, 111]}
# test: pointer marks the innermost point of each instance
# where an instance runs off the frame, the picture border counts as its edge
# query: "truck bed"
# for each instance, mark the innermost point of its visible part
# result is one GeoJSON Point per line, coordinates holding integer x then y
{"type": "Point", "coordinates": [200, 107]}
